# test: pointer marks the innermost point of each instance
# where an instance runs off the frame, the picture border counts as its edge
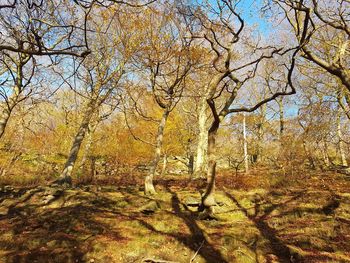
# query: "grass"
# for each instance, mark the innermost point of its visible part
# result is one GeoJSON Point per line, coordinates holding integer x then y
{"type": "Point", "coordinates": [257, 222]}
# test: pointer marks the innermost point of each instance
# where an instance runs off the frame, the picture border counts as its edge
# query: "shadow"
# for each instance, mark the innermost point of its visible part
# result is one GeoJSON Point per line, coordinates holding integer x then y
{"type": "Point", "coordinates": [278, 247]}
{"type": "Point", "coordinates": [62, 233]}
{"type": "Point", "coordinates": [196, 240]}
{"type": "Point", "coordinates": [68, 226]}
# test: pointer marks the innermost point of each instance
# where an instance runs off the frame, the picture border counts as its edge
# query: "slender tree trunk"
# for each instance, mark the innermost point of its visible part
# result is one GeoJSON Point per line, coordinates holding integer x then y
{"type": "Point", "coordinates": [208, 198]}
{"type": "Point", "coordinates": [259, 156]}
{"type": "Point", "coordinates": [245, 146]}
{"type": "Point", "coordinates": [149, 187]}
{"type": "Point", "coordinates": [190, 164]}
{"type": "Point", "coordinates": [340, 138]}
{"type": "Point", "coordinates": [308, 155]}
{"type": "Point", "coordinates": [281, 115]}
{"type": "Point", "coordinates": [260, 142]}
{"type": "Point", "coordinates": [200, 165]}
{"type": "Point", "coordinates": [6, 110]}
{"type": "Point", "coordinates": [66, 174]}
{"type": "Point", "coordinates": [325, 154]}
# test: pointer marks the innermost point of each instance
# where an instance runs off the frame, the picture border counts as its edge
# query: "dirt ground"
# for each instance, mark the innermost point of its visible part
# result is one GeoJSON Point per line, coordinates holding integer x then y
{"type": "Point", "coordinates": [276, 219]}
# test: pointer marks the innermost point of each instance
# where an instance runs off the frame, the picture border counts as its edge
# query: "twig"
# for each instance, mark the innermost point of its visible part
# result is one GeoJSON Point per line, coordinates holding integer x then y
{"type": "Point", "coordinates": [195, 254]}
{"type": "Point", "coordinates": [152, 260]}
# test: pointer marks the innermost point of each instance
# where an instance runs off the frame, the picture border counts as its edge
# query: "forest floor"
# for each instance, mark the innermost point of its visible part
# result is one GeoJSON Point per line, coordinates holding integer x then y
{"type": "Point", "coordinates": [303, 219]}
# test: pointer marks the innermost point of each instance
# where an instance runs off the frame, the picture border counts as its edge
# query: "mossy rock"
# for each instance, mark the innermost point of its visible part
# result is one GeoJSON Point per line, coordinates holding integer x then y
{"type": "Point", "coordinates": [192, 201]}
{"type": "Point", "coordinates": [150, 207]}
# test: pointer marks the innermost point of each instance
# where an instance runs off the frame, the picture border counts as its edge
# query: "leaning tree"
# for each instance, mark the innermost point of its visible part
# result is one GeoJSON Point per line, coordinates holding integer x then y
{"type": "Point", "coordinates": [236, 60]}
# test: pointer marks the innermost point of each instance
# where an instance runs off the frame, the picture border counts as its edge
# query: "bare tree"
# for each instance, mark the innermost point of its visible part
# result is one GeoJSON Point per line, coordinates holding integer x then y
{"type": "Point", "coordinates": [309, 21]}
{"type": "Point", "coordinates": [100, 75]}
{"type": "Point", "coordinates": [223, 30]}
{"type": "Point", "coordinates": [168, 62]}
{"type": "Point", "coordinates": [38, 28]}
{"type": "Point", "coordinates": [16, 77]}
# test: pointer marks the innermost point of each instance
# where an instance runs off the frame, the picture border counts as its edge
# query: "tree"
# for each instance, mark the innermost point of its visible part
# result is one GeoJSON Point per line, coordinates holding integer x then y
{"type": "Point", "coordinates": [100, 75]}
{"type": "Point", "coordinates": [38, 28]}
{"type": "Point", "coordinates": [222, 28]}
{"type": "Point", "coordinates": [168, 62]}
{"type": "Point", "coordinates": [309, 21]}
{"type": "Point", "coordinates": [31, 30]}
{"type": "Point", "coordinates": [17, 74]}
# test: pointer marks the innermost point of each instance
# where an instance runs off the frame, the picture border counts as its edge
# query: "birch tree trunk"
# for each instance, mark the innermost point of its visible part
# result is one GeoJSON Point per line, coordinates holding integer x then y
{"type": "Point", "coordinates": [245, 146]}
{"type": "Point", "coordinates": [200, 166]}
{"type": "Point", "coordinates": [149, 187]}
{"type": "Point", "coordinates": [340, 138]}
{"type": "Point", "coordinates": [65, 177]}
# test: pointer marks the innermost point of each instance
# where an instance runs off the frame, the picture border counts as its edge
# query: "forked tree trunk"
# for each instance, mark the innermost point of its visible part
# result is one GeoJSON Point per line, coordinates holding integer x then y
{"type": "Point", "coordinates": [149, 187]}
{"type": "Point", "coordinates": [65, 177]}
{"type": "Point", "coordinates": [208, 198]}
{"type": "Point", "coordinates": [200, 165]}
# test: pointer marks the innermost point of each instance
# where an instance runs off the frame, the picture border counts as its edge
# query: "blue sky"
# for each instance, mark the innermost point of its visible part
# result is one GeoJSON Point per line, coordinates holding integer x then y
{"type": "Point", "coordinates": [250, 11]}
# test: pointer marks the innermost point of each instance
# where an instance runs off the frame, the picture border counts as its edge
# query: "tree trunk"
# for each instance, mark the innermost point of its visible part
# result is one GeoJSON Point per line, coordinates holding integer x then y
{"type": "Point", "coordinates": [259, 143]}
{"type": "Point", "coordinates": [12, 101]}
{"type": "Point", "coordinates": [325, 154]}
{"type": "Point", "coordinates": [4, 117]}
{"type": "Point", "coordinates": [261, 123]}
{"type": "Point", "coordinates": [200, 166]}
{"type": "Point", "coordinates": [340, 144]}
{"type": "Point", "coordinates": [149, 187]}
{"type": "Point", "coordinates": [65, 177]}
{"type": "Point", "coordinates": [89, 139]}
{"type": "Point", "coordinates": [165, 163]}
{"type": "Point", "coordinates": [309, 155]}
{"type": "Point", "coordinates": [245, 146]}
{"type": "Point", "coordinates": [190, 164]}
{"type": "Point", "coordinates": [208, 198]}
{"type": "Point", "coordinates": [281, 113]}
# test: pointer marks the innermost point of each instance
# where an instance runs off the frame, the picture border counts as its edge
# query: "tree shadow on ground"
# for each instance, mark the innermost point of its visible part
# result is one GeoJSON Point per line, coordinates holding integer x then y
{"type": "Point", "coordinates": [64, 228]}
{"type": "Point", "coordinates": [301, 225]}
{"type": "Point", "coordinates": [60, 234]}
{"type": "Point", "coordinates": [196, 239]}
{"type": "Point", "coordinates": [67, 226]}
{"type": "Point", "coordinates": [279, 248]}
